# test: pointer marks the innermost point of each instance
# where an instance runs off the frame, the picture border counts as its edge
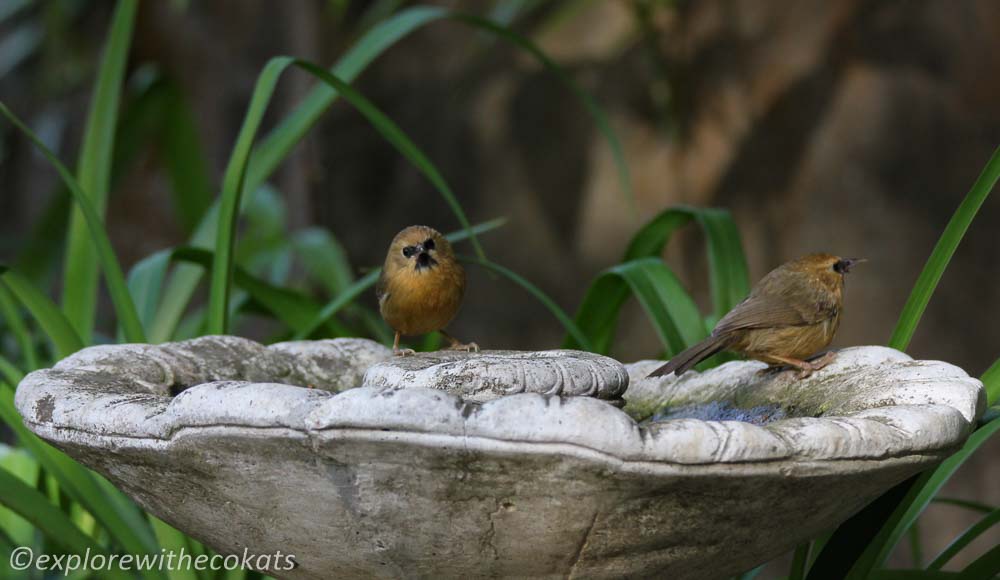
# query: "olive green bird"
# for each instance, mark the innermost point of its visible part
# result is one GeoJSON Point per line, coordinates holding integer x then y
{"type": "Point", "coordinates": [789, 316]}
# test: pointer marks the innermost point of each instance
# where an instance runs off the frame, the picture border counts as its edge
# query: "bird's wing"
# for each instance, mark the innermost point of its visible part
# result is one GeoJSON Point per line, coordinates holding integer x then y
{"type": "Point", "coordinates": [792, 305]}
{"type": "Point", "coordinates": [381, 288]}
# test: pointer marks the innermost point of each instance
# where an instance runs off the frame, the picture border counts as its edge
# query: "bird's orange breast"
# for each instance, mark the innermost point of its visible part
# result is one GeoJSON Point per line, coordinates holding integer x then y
{"type": "Point", "coordinates": [422, 301]}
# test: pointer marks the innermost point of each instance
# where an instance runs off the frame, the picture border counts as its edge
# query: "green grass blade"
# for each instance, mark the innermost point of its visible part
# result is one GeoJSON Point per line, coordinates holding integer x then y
{"type": "Point", "coordinates": [481, 228]}
{"type": "Point", "coordinates": [51, 320]}
{"type": "Point", "coordinates": [94, 172]}
{"type": "Point", "coordinates": [670, 308]}
{"type": "Point", "coordinates": [324, 258]}
{"type": "Point", "coordinates": [144, 283]}
{"type": "Point", "coordinates": [535, 291]}
{"type": "Point", "coordinates": [295, 309]}
{"type": "Point", "coordinates": [668, 305]}
{"type": "Point", "coordinates": [943, 251]}
{"type": "Point", "coordinates": [330, 309]}
{"type": "Point", "coordinates": [991, 382]}
{"type": "Point", "coordinates": [185, 160]}
{"type": "Point", "coordinates": [173, 542]}
{"type": "Point", "coordinates": [958, 544]}
{"type": "Point", "coordinates": [34, 507]}
{"type": "Point", "coordinates": [232, 193]}
{"type": "Point", "coordinates": [847, 546]}
{"type": "Point", "coordinates": [392, 133]}
{"type": "Point", "coordinates": [266, 157]}
{"type": "Point", "coordinates": [233, 183]}
{"type": "Point", "coordinates": [965, 503]}
{"type": "Point", "coordinates": [13, 528]}
{"type": "Point", "coordinates": [283, 138]}
{"type": "Point", "coordinates": [118, 516]}
{"type": "Point", "coordinates": [17, 327]}
{"type": "Point", "coordinates": [986, 566]}
{"type": "Point", "coordinates": [728, 273]}
{"type": "Point", "coordinates": [893, 513]}
{"type": "Point", "coordinates": [289, 132]}
{"type": "Point", "coordinates": [41, 252]}
{"type": "Point", "coordinates": [184, 281]}
{"type": "Point", "coordinates": [916, 500]}
{"type": "Point", "coordinates": [113, 275]}
{"type": "Point", "coordinates": [10, 372]}
{"type": "Point", "coordinates": [800, 561]}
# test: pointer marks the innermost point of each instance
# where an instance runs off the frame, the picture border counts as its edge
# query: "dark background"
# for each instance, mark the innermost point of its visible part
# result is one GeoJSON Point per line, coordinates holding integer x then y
{"type": "Point", "coordinates": [823, 125]}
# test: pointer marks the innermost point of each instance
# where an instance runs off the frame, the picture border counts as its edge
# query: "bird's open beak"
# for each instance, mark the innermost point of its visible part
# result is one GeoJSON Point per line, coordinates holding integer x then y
{"type": "Point", "coordinates": [845, 264]}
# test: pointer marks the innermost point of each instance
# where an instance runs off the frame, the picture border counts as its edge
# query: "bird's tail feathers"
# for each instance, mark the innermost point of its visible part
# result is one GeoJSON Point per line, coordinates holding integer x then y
{"type": "Point", "coordinates": [691, 356]}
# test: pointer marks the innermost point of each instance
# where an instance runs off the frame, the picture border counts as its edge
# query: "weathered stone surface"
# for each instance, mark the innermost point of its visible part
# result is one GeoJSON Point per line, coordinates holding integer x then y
{"type": "Point", "coordinates": [419, 482]}
{"type": "Point", "coordinates": [488, 375]}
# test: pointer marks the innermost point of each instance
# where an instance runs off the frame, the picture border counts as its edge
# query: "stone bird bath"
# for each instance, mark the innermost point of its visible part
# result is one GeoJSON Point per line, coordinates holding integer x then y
{"type": "Point", "coordinates": [497, 464]}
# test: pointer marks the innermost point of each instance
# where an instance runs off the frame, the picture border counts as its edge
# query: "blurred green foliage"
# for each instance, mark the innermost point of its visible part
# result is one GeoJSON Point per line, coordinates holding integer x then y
{"type": "Point", "coordinates": [53, 504]}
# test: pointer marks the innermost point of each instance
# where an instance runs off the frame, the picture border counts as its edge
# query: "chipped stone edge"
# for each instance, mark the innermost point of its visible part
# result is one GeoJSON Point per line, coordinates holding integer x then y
{"type": "Point", "coordinates": [57, 406]}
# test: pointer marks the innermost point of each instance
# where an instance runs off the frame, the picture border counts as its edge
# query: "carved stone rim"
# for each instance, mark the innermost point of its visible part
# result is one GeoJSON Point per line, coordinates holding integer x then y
{"type": "Point", "coordinates": [85, 401]}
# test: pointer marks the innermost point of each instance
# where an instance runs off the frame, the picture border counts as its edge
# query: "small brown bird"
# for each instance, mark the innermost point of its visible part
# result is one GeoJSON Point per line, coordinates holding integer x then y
{"type": "Point", "coordinates": [790, 315]}
{"type": "Point", "coordinates": [421, 286]}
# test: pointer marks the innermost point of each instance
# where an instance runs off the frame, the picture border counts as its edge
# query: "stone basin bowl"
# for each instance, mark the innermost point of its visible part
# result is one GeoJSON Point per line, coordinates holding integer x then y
{"type": "Point", "coordinates": [461, 478]}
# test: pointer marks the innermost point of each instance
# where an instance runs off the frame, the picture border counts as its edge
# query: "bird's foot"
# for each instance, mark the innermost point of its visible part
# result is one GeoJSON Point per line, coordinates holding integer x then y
{"type": "Point", "coordinates": [809, 367]}
{"type": "Point", "coordinates": [403, 352]}
{"type": "Point", "coordinates": [455, 344]}
{"type": "Point", "coordinates": [804, 369]}
{"type": "Point", "coordinates": [467, 347]}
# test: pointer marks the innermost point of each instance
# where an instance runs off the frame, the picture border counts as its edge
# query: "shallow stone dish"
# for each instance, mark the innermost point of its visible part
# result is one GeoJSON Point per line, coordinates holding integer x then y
{"type": "Point", "coordinates": [255, 448]}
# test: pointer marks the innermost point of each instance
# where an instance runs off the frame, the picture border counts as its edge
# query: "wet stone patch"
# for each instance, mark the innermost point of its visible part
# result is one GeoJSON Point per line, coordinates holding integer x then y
{"type": "Point", "coordinates": [721, 411]}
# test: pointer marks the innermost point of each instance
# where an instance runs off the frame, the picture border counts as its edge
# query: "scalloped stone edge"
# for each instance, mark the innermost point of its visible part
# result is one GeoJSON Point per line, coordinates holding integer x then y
{"type": "Point", "coordinates": [84, 401]}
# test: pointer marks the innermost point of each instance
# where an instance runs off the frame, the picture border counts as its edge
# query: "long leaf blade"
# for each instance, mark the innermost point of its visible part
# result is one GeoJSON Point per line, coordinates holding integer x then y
{"type": "Point", "coordinates": [958, 544]}
{"type": "Point", "coordinates": [18, 328]}
{"type": "Point", "coordinates": [56, 326]}
{"type": "Point", "coordinates": [942, 253]}
{"type": "Point", "coordinates": [34, 507]}
{"type": "Point", "coordinates": [105, 253]}
{"type": "Point", "coordinates": [728, 272]}
{"type": "Point", "coordinates": [119, 517]}
{"type": "Point", "coordinates": [235, 176]}
{"type": "Point", "coordinates": [537, 292]}
{"type": "Point", "coordinates": [94, 172]}
{"type": "Point", "coordinates": [670, 308]}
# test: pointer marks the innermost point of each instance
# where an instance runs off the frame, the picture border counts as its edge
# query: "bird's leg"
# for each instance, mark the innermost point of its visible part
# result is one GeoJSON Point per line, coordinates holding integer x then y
{"type": "Point", "coordinates": [396, 351]}
{"type": "Point", "coordinates": [455, 344]}
{"type": "Point", "coordinates": [820, 361]}
{"type": "Point", "coordinates": [806, 368]}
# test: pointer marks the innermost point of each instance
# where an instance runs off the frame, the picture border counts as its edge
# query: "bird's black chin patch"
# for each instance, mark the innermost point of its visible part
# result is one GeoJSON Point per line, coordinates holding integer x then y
{"type": "Point", "coordinates": [424, 260]}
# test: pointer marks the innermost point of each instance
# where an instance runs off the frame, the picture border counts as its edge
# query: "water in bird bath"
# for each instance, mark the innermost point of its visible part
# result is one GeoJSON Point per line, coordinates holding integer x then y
{"type": "Point", "coordinates": [720, 411]}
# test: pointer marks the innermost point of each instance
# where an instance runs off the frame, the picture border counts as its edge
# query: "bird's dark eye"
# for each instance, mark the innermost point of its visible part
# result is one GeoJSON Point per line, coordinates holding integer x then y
{"type": "Point", "coordinates": [409, 251]}
{"type": "Point", "coordinates": [429, 244]}
{"type": "Point", "coordinates": [840, 266]}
